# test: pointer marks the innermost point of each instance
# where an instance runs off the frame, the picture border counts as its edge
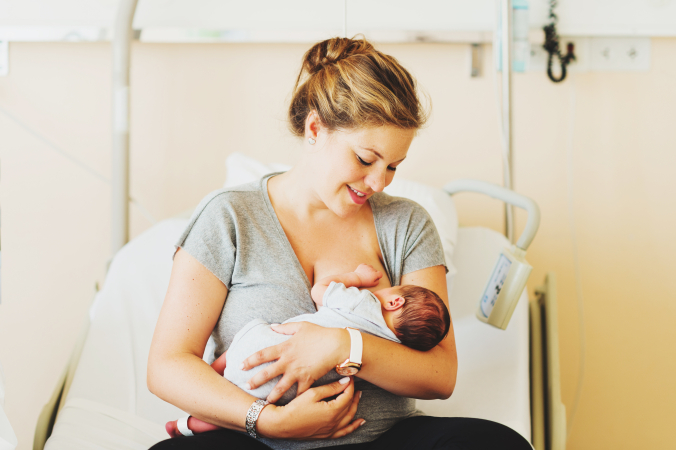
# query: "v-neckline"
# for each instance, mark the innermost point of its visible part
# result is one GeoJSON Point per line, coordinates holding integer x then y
{"type": "Point", "coordinates": [287, 243]}
{"type": "Point", "coordinates": [280, 229]}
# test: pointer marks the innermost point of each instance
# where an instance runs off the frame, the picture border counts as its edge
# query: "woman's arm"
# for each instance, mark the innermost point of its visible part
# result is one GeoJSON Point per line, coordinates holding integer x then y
{"type": "Point", "coordinates": [178, 375]}
{"type": "Point", "coordinates": [393, 367]}
{"type": "Point", "coordinates": [176, 371]}
{"type": "Point", "coordinates": [412, 373]}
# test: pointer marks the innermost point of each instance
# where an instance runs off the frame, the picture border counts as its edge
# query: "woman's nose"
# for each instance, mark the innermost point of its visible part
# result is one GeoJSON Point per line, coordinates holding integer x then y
{"type": "Point", "coordinates": [377, 181]}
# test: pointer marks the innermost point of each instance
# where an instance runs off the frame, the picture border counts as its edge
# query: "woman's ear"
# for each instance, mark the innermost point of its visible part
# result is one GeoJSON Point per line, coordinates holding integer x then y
{"type": "Point", "coordinates": [394, 303]}
{"type": "Point", "coordinates": [312, 125]}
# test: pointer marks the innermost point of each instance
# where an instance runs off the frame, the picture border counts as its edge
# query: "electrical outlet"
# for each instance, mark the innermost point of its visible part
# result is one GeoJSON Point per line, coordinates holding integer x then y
{"type": "Point", "coordinates": [597, 55]}
{"type": "Point", "coordinates": [4, 58]}
{"type": "Point", "coordinates": [620, 54]}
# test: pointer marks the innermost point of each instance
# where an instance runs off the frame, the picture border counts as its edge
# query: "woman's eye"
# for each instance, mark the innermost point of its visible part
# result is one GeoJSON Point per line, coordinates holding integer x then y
{"type": "Point", "coordinates": [393, 169]}
{"type": "Point", "coordinates": [364, 163]}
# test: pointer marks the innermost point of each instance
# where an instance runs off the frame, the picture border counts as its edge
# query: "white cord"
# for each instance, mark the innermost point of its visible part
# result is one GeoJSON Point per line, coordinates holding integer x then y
{"type": "Point", "coordinates": [506, 171]}
{"type": "Point", "coordinates": [576, 259]}
{"type": "Point", "coordinates": [144, 212]}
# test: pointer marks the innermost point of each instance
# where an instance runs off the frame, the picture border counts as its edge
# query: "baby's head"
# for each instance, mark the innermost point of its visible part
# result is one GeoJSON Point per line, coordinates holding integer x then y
{"type": "Point", "coordinates": [416, 315]}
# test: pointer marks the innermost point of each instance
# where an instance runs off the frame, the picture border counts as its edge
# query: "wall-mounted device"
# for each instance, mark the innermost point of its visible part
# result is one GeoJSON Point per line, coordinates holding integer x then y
{"type": "Point", "coordinates": [511, 271]}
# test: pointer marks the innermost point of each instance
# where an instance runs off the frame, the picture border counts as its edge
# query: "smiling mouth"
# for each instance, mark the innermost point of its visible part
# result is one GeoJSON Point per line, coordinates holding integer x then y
{"type": "Point", "coordinates": [359, 194]}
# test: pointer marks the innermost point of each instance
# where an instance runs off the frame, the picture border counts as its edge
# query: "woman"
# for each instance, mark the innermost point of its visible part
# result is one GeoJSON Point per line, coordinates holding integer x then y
{"type": "Point", "coordinates": [253, 252]}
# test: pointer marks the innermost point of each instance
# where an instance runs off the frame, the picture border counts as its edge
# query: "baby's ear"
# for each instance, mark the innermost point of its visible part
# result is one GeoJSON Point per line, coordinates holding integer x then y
{"type": "Point", "coordinates": [395, 303]}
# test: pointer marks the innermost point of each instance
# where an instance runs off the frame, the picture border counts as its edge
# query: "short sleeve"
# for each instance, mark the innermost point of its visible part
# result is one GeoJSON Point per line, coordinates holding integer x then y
{"type": "Point", "coordinates": [407, 235]}
{"type": "Point", "coordinates": [423, 247]}
{"type": "Point", "coordinates": [211, 236]}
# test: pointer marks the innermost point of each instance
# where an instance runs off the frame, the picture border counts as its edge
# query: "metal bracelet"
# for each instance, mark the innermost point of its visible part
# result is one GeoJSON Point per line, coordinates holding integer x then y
{"type": "Point", "coordinates": [252, 416]}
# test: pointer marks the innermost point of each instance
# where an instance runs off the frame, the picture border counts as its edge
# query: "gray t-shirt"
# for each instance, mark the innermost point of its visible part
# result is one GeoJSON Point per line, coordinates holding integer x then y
{"type": "Point", "coordinates": [236, 235]}
{"type": "Point", "coordinates": [343, 307]}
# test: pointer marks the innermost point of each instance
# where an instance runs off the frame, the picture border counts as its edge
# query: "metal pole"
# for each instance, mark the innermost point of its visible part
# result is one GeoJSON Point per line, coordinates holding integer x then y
{"type": "Point", "coordinates": [122, 37]}
{"type": "Point", "coordinates": [506, 18]}
{"type": "Point", "coordinates": [344, 18]}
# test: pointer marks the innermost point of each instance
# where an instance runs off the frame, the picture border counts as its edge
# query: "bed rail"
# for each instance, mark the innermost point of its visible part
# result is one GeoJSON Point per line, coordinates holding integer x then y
{"type": "Point", "coordinates": [548, 414]}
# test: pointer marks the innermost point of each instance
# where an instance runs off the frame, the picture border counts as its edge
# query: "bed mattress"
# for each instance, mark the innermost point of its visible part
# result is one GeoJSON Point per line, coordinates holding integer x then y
{"type": "Point", "coordinates": [109, 406]}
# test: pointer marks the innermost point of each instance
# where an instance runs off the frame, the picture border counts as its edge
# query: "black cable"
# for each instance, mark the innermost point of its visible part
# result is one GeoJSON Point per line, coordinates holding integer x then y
{"type": "Point", "coordinates": [551, 45]}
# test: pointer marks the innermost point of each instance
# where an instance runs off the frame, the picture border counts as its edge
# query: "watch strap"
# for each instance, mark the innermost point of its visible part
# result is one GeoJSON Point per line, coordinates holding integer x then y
{"type": "Point", "coordinates": [356, 345]}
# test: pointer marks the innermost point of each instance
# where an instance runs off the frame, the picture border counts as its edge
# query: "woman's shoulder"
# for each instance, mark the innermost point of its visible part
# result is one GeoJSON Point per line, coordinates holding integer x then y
{"type": "Point", "coordinates": [234, 199]}
{"type": "Point", "coordinates": [386, 206]}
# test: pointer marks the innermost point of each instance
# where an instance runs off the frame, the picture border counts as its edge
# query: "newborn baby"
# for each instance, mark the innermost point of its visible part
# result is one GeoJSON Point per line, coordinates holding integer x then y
{"type": "Point", "coordinates": [410, 315]}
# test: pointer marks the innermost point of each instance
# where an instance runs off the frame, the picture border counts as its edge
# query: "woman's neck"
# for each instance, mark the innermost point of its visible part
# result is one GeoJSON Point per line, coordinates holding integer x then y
{"type": "Point", "coordinates": [293, 193]}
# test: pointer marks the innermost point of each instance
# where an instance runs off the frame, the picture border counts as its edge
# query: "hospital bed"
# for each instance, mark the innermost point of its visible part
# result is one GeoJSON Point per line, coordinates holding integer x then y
{"type": "Point", "coordinates": [102, 402]}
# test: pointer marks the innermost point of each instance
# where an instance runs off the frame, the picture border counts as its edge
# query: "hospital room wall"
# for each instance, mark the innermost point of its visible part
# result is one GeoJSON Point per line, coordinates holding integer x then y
{"type": "Point", "coordinates": [192, 105]}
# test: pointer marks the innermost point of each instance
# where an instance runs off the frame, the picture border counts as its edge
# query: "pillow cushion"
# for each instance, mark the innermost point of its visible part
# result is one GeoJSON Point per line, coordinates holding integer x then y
{"type": "Point", "coordinates": [242, 169]}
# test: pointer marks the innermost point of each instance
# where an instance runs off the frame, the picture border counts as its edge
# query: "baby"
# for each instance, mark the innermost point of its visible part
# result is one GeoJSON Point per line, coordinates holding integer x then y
{"type": "Point", "coordinates": [410, 315]}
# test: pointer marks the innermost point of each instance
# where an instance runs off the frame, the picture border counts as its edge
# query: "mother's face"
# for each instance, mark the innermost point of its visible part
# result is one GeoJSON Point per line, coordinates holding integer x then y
{"type": "Point", "coordinates": [350, 166]}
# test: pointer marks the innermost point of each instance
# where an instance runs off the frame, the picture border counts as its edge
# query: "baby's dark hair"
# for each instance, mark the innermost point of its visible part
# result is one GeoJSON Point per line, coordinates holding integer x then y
{"type": "Point", "coordinates": [424, 320]}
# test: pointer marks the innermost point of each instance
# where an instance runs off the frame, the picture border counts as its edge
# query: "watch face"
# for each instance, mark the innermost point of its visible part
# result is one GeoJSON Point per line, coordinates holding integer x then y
{"type": "Point", "coordinates": [347, 371]}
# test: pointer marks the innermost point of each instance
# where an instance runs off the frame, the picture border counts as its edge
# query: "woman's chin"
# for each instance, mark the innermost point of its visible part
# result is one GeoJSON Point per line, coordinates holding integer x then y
{"type": "Point", "coordinates": [345, 210]}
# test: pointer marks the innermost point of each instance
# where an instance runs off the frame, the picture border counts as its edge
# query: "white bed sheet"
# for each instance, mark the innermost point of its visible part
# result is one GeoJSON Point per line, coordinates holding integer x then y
{"type": "Point", "coordinates": [109, 406]}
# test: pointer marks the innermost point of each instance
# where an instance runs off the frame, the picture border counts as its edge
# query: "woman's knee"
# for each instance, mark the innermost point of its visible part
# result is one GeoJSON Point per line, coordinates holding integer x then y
{"type": "Point", "coordinates": [426, 432]}
{"type": "Point", "coordinates": [482, 434]}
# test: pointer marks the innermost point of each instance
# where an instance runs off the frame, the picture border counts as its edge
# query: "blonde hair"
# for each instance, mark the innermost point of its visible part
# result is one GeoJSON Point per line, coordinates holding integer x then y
{"type": "Point", "coordinates": [351, 85]}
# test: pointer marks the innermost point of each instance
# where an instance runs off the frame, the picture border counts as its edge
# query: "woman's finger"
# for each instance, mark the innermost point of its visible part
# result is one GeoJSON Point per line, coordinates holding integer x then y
{"type": "Point", "coordinates": [348, 429]}
{"type": "Point", "coordinates": [266, 374]}
{"type": "Point", "coordinates": [280, 388]}
{"type": "Point", "coordinates": [287, 328]}
{"type": "Point", "coordinates": [344, 385]}
{"type": "Point", "coordinates": [304, 386]}
{"type": "Point", "coordinates": [349, 413]}
{"type": "Point", "coordinates": [268, 354]}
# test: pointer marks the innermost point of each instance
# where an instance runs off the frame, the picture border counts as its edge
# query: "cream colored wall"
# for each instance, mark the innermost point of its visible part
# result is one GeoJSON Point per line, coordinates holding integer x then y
{"type": "Point", "coordinates": [194, 104]}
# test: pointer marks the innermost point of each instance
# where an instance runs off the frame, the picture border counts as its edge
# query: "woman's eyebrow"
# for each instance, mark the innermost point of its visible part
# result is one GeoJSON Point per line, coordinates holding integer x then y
{"type": "Point", "coordinates": [378, 154]}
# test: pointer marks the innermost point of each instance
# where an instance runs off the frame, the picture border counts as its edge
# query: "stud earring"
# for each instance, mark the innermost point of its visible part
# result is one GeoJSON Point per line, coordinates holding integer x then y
{"type": "Point", "coordinates": [311, 141]}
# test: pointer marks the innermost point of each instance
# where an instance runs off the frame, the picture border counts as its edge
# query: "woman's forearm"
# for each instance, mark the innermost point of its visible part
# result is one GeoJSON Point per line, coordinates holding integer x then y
{"type": "Point", "coordinates": [189, 383]}
{"type": "Point", "coordinates": [407, 372]}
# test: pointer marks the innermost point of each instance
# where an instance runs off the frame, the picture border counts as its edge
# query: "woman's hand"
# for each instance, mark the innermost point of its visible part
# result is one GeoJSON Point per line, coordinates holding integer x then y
{"type": "Point", "coordinates": [308, 416]}
{"type": "Point", "coordinates": [309, 355]}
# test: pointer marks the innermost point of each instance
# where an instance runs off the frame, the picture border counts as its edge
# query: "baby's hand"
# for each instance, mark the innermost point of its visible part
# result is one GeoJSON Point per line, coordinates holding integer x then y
{"type": "Point", "coordinates": [368, 275]}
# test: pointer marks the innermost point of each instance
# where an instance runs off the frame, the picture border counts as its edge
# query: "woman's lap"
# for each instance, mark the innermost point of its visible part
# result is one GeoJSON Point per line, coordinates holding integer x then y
{"type": "Point", "coordinates": [414, 433]}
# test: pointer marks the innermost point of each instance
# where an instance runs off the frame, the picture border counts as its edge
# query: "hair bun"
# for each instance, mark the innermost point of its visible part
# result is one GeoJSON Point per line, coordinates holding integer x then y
{"type": "Point", "coordinates": [350, 84]}
{"type": "Point", "coordinates": [333, 50]}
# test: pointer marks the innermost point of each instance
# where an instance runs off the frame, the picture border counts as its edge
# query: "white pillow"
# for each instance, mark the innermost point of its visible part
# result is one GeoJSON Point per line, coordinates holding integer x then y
{"type": "Point", "coordinates": [242, 169]}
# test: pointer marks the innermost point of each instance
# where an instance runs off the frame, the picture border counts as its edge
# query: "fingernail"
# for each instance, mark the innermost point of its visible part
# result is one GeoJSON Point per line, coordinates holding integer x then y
{"type": "Point", "coordinates": [247, 387]}
{"type": "Point", "coordinates": [362, 422]}
{"type": "Point", "coordinates": [241, 366]}
{"type": "Point", "coordinates": [344, 380]}
{"type": "Point", "coordinates": [360, 394]}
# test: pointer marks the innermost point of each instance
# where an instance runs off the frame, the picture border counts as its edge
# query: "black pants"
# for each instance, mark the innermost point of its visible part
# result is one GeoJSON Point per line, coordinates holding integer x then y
{"type": "Point", "coordinates": [414, 433]}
